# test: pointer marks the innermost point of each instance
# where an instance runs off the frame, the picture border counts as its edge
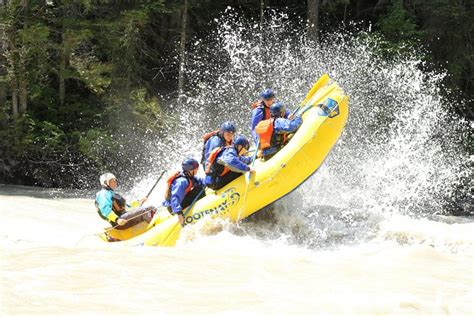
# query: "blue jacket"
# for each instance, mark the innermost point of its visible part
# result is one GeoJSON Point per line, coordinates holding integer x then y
{"type": "Point", "coordinates": [230, 159]}
{"type": "Point", "coordinates": [178, 192]}
{"type": "Point", "coordinates": [103, 202]}
{"type": "Point", "coordinates": [282, 126]}
{"type": "Point", "coordinates": [212, 142]}
{"type": "Point", "coordinates": [258, 114]}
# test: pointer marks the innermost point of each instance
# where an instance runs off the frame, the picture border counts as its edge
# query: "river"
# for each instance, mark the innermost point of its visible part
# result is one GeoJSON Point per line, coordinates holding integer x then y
{"type": "Point", "coordinates": [53, 264]}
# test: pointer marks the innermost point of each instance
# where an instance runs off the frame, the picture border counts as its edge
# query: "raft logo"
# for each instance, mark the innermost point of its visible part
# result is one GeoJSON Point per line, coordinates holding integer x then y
{"type": "Point", "coordinates": [229, 198]}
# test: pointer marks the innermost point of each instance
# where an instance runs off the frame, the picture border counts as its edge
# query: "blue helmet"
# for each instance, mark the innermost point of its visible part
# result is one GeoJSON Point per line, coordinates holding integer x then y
{"type": "Point", "coordinates": [189, 164]}
{"type": "Point", "coordinates": [276, 109]}
{"type": "Point", "coordinates": [242, 140]}
{"type": "Point", "coordinates": [228, 127]}
{"type": "Point", "coordinates": [267, 94]}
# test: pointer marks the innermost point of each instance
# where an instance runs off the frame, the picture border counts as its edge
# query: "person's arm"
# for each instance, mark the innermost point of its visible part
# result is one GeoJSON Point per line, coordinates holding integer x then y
{"type": "Point", "coordinates": [178, 190]}
{"type": "Point", "coordinates": [246, 159]}
{"type": "Point", "coordinates": [255, 138]}
{"type": "Point", "coordinates": [231, 160]}
{"type": "Point", "coordinates": [287, 126]}
{"type": "Point", "coordinates": [201, 180]}
{"type": "Point", "coordinates": [257, 116]}
{"type": "Point", "coordinates": [212, 143]}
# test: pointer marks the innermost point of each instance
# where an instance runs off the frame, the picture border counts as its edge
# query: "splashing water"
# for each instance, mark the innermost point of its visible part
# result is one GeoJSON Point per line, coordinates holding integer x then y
{"type": "Point", "coordinates": [400, 153]}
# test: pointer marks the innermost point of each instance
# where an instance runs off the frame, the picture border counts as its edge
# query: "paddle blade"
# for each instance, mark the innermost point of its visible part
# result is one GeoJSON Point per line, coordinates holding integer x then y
{"type": "Point", "coordinates": [322, 81]}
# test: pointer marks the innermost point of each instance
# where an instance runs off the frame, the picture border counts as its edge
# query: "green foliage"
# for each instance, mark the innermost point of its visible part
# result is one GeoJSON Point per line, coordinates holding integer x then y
{"type": "Point", "coordinates": [98, 146]}
{"type": "Point", "coordinates": [96, 75]}
{"type": "Point", "coordinates": [34, 36]}
{"type": "Point", "coordinates": [399, 29]}
{"type": "Point", "coordinates": [147, 110]}
{"type": "Point", "coordinates": [34, 139]}
{"type": "Point", "coordinates": [108, 57]}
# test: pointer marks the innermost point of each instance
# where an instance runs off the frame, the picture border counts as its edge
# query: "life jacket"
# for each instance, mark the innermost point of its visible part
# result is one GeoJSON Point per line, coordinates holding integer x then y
{"type": "Point", "coordinates": [261, 105]}
{"type": "Point", "coordinates": [212, 167]}
{"type": "Point", "coordinates": [205, 138]}
{"type": "Point", "coordinates": [265, 129]}
{"type": "Point", "coordinates": [170, 180]}
{"type": "Point", "coordinates": [119, 205]}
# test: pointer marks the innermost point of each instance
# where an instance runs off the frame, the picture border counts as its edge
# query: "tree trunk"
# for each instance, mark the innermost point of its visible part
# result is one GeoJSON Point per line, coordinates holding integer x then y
{"type": "Point", "coordinates": [23, 93]}
{"type": "Point", "coordinates": [62, 70]}
{"type": "Point", "coordinates": [14, 88]}
{"type": "Point", "coordinates": [313, 20]}
{"type": "Point", "coordinates": [3, 61]}
{"type": "Point", "coordinates": [182, 50]}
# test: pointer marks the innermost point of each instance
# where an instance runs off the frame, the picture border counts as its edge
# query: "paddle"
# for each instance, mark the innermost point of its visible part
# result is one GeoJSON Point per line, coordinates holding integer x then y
{"type": "Point", "coordinates": [249, 174]}
{"type": "Point", "coordinates": [184, 215]}
{"type": "Point", "coordinates": [153, 187]}
{"type": "Point", "coordinates": [323, 80]}
{"type": "Point", "coordinates": [254, 156]}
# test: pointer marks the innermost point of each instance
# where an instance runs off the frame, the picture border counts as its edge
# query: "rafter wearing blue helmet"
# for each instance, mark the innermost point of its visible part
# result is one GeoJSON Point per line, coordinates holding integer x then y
{"type": "Point", "coordinates": [228, 163]}
{"type": "Point", "coordinates": [183, 187]}
{"type": "Point", "coordinates": [273, 132]}
{"type": "Point", "coordinates": [261, 110]}
{"type": "Point", "coordinates": [219, 138]}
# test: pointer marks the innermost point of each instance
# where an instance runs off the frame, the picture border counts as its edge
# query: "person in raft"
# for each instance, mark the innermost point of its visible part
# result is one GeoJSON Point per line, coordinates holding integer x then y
{"type": "Point", "coordinates": [227, 163]}
{"type": "Point", "coordinates": [111, 206]}
{"type": "Point", "coordinates": [219, 138]}
{"type": "Point", "coordinates": [273, 132]}
{"type": "Point", "coordinates": [261, 110]}
{"type": "Point", "coordinates": [184, 188]}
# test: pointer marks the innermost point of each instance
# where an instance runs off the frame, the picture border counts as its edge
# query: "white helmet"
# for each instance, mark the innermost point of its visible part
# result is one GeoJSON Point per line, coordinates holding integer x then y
{"type": "Point", "coordinates": [105, 178]}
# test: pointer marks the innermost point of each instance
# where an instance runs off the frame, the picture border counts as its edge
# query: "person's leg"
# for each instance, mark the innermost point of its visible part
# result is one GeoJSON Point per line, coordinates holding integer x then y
{"type": "Point", "coordinates": [136, 216]}
{"type": "Point", "coordinates": [191, 196]}
{"type": "Point", "coordinates": [226, 179]}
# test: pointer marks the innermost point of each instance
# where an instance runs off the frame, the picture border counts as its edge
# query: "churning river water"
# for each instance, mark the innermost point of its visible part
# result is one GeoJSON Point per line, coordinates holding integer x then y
{"type": "Point", "coordinates": [366, 235]}
{"type": "Point", "coordinates": [52, 263]}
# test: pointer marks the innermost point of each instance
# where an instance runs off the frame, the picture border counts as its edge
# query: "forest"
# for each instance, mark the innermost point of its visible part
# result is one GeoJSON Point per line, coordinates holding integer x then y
{"type": "Point", "coordinates": [73, 73]}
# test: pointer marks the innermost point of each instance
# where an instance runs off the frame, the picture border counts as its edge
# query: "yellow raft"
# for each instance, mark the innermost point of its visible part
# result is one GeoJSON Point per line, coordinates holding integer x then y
{"type": "Point", "coordinates": [324, 112]}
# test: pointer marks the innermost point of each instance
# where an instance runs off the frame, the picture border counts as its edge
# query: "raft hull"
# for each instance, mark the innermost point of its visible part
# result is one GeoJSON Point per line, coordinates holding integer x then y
{"type": "Point", "coordinates": [274, 178]}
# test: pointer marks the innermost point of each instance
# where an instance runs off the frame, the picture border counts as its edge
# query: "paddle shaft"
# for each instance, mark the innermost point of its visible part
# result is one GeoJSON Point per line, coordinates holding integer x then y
{"type": "Point", "coordinates": [321, 81]}
{"type": "Point", "coordinates": [184, 214]}
{"type": "Point", "coordinates": [254, 156]}
{"type": "Point", "coordinates": [153, 187]}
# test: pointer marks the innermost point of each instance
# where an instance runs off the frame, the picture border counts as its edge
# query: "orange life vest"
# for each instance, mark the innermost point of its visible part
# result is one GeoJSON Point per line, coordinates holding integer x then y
{"type": "Point", "coordinates": [205, 138]}
{"type": "Point", "coordinates": [212, 165]}
{"type": "Point", "coordinates": [170, 180]}
{"type": "Point", "coordinates": [264, 129]}
{"type": "Point", "coordinates": [266, 110]}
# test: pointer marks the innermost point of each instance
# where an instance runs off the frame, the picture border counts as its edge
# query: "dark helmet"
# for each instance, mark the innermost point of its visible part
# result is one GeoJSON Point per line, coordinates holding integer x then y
{"type": "Point", "coordinates": [267, 94]}
{"type": "Point", "coordinates": [242, 140]}
{"type": "Point", "coordinates": [228, 127]}
{"type": "Point", "coordinates": [276, 109]}
{"type": "Point", "coordinates": [189, 164]}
